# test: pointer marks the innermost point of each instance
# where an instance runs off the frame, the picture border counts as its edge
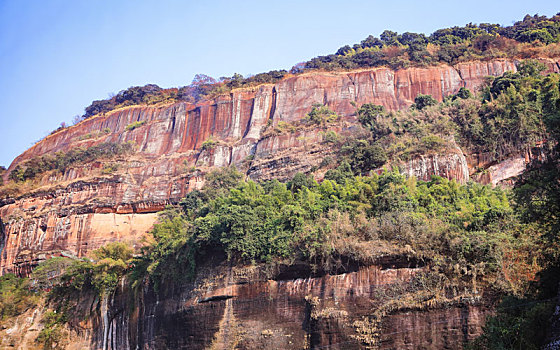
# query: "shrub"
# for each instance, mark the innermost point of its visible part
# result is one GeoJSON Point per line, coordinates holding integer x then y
{"type": "Point", "coordinates": [48, 273]}
{"type": "Point", "coordinates": [86, 136]}
{"type": "Point", "coordinates": [369, 116]}
{"type": "Point", "coordinates": [100, 275]}
{"type": "Point", "coordinates": [432, 142]}
{"type": "Point", "coordinates": [463, 93]}
{"type": "Point", "coordinates": [284, 127]}
{"type": "Point", "coordinates": [339, 175]}
{"type": "Point", "coordinates": [364, 156]}
{"type": "Point", "coordinates": [209, 144]}
{"type": "Point", "coordinates": [220, 181]}
{"type": "Point", "coordinates": [325, 162]}
{"type": "Point", "coordinates": [114, 251]}
{"type": "Point", "coordinates": [109, 168]}
{"type": "Point", "coordinates": [135, 125]}
{"type": "Point", "coordinates": [320, 115]}
{"type": "Point", "coordinates": [301, 181]}
{"type": "Point", "coordinates": [52, 335]}
{"type": "Point", "coordinates": [15, 296]}
{"type": "Point", "coordinates": [330, 137]}
{"type": "Point", "coordinates": [422, 101]}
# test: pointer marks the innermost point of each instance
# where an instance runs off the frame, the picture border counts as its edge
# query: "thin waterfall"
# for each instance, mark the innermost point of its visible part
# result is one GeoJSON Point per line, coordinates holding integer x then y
{"type": "Point", "coordinates": [105, 317]}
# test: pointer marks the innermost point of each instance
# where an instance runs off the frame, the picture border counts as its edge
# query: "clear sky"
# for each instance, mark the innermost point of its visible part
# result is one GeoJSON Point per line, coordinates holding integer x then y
{"type": "Point", "coordinates": [58, 56]}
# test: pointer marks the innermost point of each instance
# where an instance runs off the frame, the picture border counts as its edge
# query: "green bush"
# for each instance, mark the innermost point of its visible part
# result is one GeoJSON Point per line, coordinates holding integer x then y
{"type": "Point", "coordinates": [209, 144]}
{"type": "Point", "coordinates": [330, 137]}
{"type": "Point", "coordinates": [370, 115]}
{"type": "Point", "coordinates": [364, 155]}
{"type": "Point", "coordinates": [52, 335]}
{"type": "Point", "coordinates": [48, 273]}
{"type": "Point", "coordinates": [284, 127]}
{"type": "Point", "coordinates": [320, 115]}
{"type": "Point", "coordinates": [15, 296]}
{"type": "Point", "coordinates": [422, 101]}
{"type": "Point", "coordinates": [109, 169]}
{"type": "Point", "coordinates": [509, 118]}
{"type": "Point", "coordinates": [100, 275]}
{"type": "Point", "coordinates": [135, 125]}
{"type": "Point", "coordinates": [301, 181]}
{"type": "Point", "coordinates": [341, 174]}
{"type": "Point", "coordinates": [518, 324]}
{"type": "Point", "coordinates": [432, 142]}
{"type": "Point", "coordinates": [463, 93]}
{"type": "Point", "coordinates": [264, 223]}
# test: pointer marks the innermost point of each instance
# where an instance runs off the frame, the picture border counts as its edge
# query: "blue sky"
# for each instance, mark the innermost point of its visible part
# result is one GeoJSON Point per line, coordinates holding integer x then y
{"type": "Point", "coordinates": [57, 56]}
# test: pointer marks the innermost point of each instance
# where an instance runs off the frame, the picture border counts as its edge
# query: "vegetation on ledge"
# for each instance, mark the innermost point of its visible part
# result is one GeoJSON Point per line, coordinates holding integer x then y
{"type": "Point", "coordinates": [466, 232]}
{"type": "Point", "coordinates": [15, 296]}
{"type": "Point", "coordinates": [507, 118]}
{"type": "Point", "coordinates": [63, 160]}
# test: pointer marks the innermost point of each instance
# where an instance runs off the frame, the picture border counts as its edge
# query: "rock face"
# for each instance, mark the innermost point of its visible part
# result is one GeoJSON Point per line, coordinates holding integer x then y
{"type": "Point", "coordinates": [226, 308]}
{"type": "Point", "coordinates": [85, 207]}
{"type": "Point", "coordinates": [452, 165]}
{"type": "Point", "coordinates": [237, 308]}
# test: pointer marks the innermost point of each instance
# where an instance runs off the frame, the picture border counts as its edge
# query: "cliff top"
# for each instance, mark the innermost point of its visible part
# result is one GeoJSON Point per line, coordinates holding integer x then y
{"type": "Point", "coordinates": [533, 37]}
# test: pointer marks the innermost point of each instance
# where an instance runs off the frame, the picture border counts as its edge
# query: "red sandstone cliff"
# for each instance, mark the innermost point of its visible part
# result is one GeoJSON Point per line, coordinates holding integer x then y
{"type": "Point", "coordinates": [83, 208]}
{"type": "Point", "coordinates": [243, 308]}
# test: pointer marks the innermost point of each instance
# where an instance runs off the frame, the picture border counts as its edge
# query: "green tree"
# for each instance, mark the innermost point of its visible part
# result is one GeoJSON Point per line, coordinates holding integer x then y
{"type": "Point", "coordinates": [389, 38]}
{"type": "Point", "coordinates": [15, 296]}
{"type": "Point", "coordinates": [463, 93]}
{"type": "Point", "coordinates": [301, 181]}
{"type": "Point", "coordinates": [422, 101]}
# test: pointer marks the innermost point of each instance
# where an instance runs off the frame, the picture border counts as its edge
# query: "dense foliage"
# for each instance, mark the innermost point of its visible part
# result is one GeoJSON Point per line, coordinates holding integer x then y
{"type": "Point", "coordinates": [398, 135]}
{"type": "Point", "coordinates": [320, 115]}
{"type": "Point", "coordinates": [510, 115]}
{"type": "Point", "coordinates": [64, 283]}
{"type": "Point", "coordinates": [464, 230]}
{"type": "Point", "coordinates": [15, 296]}
{"type": "Point", "coordinates": [100, 273]}
{"type": "Point", "coordinates": [524, 39]}
{"type": "Point", "coordinates": [518, 324]}
{"type": "Point", "coordinates": [533, 100]}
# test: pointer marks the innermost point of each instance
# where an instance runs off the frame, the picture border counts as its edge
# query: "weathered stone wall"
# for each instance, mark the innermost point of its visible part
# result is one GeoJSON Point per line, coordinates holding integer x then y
{"type": "Point", "coordinates": [168, 147]}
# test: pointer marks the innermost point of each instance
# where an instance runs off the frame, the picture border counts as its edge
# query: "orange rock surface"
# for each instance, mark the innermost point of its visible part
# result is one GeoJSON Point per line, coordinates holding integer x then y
{"type": "Point", "coordinates": [84, 208]}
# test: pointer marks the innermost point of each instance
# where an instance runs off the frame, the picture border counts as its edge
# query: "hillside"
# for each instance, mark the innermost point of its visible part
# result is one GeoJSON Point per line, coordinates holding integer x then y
{"type": "Point", "coordinates": [175, 144]}
{"type": "Point", "coordinates": [345, 205]}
